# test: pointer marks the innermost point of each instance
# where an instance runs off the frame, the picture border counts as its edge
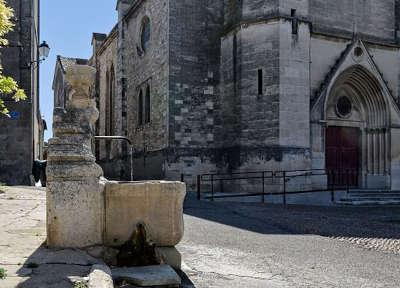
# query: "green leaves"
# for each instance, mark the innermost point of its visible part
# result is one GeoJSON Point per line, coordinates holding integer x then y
{"type": "Point", "coordinates": [10, 86]}
{"type": "Point", "coordinates": [3, 273]}
{"type": "Point", "coordinates": [7, 84]}
{"type": "Point", "coordinates": [6, 24]}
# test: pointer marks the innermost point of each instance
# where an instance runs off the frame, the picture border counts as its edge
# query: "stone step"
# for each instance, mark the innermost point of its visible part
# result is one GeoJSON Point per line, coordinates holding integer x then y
{"type": "Point", "coordinates": [362, 202]}
{"type": "Point", "coordinates": [148, 276]}
{"type": "Point", "coordinates": [371, 197]}
{"type": "Point", "coordinates": [374, 191]}
{"type": "Point", "coordinates": [374, 195]}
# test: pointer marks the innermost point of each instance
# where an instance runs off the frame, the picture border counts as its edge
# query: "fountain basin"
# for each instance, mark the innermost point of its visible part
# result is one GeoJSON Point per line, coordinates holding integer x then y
{"type": "Point", "coordinates": [157, 204]}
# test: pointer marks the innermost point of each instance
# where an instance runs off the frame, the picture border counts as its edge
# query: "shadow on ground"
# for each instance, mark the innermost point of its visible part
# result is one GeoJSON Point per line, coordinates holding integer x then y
{"type": "Point", "coordinates": [335, 221]}
{"type": "Point", "coordinates": [51, 268]}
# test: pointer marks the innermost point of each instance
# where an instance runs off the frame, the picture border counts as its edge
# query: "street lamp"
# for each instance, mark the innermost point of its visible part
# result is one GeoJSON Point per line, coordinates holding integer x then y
{"type": "Point", "coordinates": [44, 51]}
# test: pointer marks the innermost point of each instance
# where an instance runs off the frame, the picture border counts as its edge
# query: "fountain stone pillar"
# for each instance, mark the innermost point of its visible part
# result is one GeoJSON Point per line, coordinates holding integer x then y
{"type": "Point", "coordinates": [75, 197]}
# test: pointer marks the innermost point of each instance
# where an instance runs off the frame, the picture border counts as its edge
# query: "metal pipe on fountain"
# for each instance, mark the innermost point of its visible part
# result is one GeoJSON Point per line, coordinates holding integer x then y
{"type": "Point", "coordinates": [120, 138]}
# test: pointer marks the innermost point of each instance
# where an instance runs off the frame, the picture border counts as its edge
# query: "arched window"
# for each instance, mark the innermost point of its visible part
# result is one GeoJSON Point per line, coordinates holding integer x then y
{"type": "Point", "coordinates": [140, 108]}
{"type": "Point", "coordinates": [147, 105]}
{"type": "Point", "coordinates": [145, 33]}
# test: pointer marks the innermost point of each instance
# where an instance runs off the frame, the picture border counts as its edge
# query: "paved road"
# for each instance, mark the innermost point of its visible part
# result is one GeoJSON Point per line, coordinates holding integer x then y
{"type": "Point", "coordinates": [251, 245]}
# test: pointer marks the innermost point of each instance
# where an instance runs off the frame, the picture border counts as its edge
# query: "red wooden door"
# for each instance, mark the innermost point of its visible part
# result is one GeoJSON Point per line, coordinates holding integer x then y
{"type": "Point", "coordinates": [342, 155]}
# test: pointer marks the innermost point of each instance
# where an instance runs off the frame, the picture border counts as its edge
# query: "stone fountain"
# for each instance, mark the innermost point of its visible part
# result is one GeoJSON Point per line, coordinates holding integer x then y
{"type": "Point", "coordinates": [85, 210]}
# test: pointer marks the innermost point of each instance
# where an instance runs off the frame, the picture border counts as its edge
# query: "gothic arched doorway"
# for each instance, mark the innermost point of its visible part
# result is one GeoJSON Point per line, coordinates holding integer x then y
{"type": "Point", "coordinates": [357, 149]}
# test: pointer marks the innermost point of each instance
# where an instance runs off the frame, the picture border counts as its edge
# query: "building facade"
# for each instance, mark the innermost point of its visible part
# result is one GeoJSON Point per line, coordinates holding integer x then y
{"type": "Point", "coordinates": [222, 86]}
{"type": "Point", "coordinates": [21, 134]}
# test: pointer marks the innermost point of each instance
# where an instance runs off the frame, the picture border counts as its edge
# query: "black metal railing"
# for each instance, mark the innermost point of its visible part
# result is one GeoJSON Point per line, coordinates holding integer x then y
{"type": "Point", "coordinates": [276, 182]}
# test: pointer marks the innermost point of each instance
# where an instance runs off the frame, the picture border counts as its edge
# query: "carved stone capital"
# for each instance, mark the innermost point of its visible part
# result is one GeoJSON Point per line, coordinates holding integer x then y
{"type": "Point", "coordinates": [80, 79]}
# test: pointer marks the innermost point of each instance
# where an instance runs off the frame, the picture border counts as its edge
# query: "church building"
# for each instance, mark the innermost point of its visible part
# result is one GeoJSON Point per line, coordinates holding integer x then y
{"type": "Point", "coordinates": [251, 85]}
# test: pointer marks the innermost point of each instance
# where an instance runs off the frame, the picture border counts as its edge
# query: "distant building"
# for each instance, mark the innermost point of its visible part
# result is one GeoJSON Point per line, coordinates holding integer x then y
{"type": "Point", "coordinates": [21, 135]}
{"type": "Point", "coordinates": [219, 86]}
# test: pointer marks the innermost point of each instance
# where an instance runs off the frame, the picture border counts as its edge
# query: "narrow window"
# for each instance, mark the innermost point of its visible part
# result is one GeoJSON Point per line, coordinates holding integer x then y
{"type": "Point", "coordinates": [140, 109]}
{"type": "Point", "coordinates": [123, 98]}
{"type": "Point", "coordinates": [147, 105]}
{"type": "Point", "coordinates": [108, 105]}
{"type": "Point", "coordinates": [260, 82]}
{"type": "Point", "coordinates": [295, 22]}
{"type": "Point", "coordinates": [234, 57]}
{"type": "Point", "coordinates": [112, 101]}
{"type": "Point", "coordinates": [145, 33]}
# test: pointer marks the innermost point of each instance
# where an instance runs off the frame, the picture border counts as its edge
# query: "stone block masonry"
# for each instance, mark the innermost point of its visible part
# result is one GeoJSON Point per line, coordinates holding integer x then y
{"type": "Point", "coordinates": [20, 135]}
{"type": "Point", "coordinates": [74, 194]}
{"type": "Point", "coordinates": [233, 83]}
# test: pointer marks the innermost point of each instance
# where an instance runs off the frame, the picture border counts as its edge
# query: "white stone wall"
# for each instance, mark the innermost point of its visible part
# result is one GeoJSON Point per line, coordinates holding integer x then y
{"type": "Point", "coordinates": [294, 81]}
{"type": "Point", "coordinates": [324, 52]}
{"type": "Point", "coordinates": [385, 58]}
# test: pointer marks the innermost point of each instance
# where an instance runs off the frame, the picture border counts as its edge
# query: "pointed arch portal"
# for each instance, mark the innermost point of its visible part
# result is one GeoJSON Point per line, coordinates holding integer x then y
{"type": "Point", "coordinates": [357, 133]}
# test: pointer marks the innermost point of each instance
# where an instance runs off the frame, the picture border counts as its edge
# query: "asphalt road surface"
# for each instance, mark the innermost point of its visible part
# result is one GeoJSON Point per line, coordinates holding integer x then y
{"type": "Point", "coordinates": [255, 245]}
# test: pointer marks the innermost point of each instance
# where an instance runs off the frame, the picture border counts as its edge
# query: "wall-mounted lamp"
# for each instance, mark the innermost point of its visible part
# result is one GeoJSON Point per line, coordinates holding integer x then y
{"type": "Point", "coordinates": [44, 50]}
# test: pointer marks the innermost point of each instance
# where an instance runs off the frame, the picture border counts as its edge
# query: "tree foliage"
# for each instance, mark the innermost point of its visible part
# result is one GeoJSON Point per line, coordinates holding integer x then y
{"type": "Point", "coordinates": [8, 86]}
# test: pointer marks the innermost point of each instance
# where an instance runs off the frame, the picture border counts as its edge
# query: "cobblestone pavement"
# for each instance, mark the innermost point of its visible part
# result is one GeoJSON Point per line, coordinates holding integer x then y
{"type": "Point", "coordinates": [230, 244]}
{"type": "Point", "coordinates": [376, 228]}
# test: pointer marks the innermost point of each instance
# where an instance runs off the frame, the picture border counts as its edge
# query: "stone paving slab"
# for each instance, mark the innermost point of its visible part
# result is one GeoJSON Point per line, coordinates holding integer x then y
{"type": "Point", "coordinates": [22, 244]}
{"type": "Point", "coordinates": [160, 275]}
{"type": "Point", "coordinates": [100, 277]}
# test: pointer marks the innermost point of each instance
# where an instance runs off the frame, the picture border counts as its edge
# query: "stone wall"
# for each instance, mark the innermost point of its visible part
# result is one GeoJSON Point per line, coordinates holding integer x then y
{"type": "Point", "coordinates": [294, 86]}
{"type": "Point", "coordinates": [112, 155]}
{"type": "Point", "coordinates": [208, 114]}
{"type": "Point", "coordinates": [267, 129]}
{"type": "Point", "coordinates": [258, 49]}
{"type": "Point", "coordinates": [194, 102]}
{"type": "Point", "coordinates": [259, 8]}
{"type": "Point", "coordinates": [301, 7]}
{"type": "Point", "coordinates": [326, 51]}
{"type": "Point", "coordinates": [19, 135]}
{"type": "Point", "coordinates": [147, 68]}
{"type": "Point", "coordinates": [374, 18]}
{"type": "Point", "coordinates": [106, 62]}
{"type": "Point", "coordinates": [384, 58]}
{"type": "Point", "coordinates": [141, 69]}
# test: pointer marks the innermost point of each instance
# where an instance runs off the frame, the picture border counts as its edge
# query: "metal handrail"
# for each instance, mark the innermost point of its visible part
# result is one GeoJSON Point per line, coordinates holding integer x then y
{"type": "Point", "coordinates": [120, 138]}
{"type": "Point", "coordinates": [285, 175]}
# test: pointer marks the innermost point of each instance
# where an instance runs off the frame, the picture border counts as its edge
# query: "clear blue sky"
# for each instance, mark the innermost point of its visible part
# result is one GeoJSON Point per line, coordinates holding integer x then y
{"type": "Point", "coordinates": [68, 26]}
